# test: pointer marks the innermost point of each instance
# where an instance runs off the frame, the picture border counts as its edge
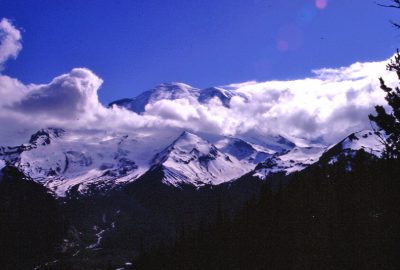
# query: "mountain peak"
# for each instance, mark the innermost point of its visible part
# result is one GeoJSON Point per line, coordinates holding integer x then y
{"type": "Point", "coordinates": [215, 92]}
{"type": "Point", "coordinates": [171, 91]}
{"type": "Point", "coordinates": [176, 90]}
{"type": "Point", "coordinates": [186, 135]}
{"type": "Point", "coordinates": [44, 136]}
{"type": "Point", "coordinates": [188, 141]}
{"type": "Point", "coordinates": [164, 91]}
{"type": "Point", "coordinates": [193, 160]}
{"type": "Point", "coordinates": [364, 139]}
{"type": "Point", "coordinates": [170, 85]}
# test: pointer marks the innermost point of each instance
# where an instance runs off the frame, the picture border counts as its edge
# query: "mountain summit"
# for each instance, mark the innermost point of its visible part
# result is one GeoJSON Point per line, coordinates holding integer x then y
{"type": "Point", "coordinates": [173, 91]}
{"type": "Point", "coordinates": [193, 160]}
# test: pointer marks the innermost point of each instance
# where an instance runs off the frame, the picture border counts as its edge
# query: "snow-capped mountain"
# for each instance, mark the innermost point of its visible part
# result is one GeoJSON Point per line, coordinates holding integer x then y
{"type": "Point", "coordinates": [300, 158]}
{"type": "Point", "coordinates": [243, 150]}
{"type": "Point", "coordinates": [290, 161]}
{"type": "Point", "coordinates": [65, 160]}
{"type": "Point", "coordinates": [223, 95]}
{"type": "Point", "coordinates": [84, 162]}
{"type": "Point", "coordinates": [172, 91]}
{"type": "Point", "coordinates": [165, 91]}
{"type": "Point", "coordinates": [366, 140]}
{"type": "Point", "coordinates": [193, 160]}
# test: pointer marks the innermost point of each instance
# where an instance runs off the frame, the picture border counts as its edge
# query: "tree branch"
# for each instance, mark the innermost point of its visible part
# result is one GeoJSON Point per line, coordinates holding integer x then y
{"type": "Point", "coordinates": [395, 5]}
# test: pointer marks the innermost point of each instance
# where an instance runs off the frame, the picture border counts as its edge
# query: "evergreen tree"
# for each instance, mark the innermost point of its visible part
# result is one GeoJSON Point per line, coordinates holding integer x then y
{"type": "Point", "coordinates": [389, 122]}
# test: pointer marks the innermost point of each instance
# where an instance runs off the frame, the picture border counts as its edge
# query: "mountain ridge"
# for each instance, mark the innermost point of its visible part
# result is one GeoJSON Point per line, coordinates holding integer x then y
{"type": "Point", "coordinates": [61, 161]}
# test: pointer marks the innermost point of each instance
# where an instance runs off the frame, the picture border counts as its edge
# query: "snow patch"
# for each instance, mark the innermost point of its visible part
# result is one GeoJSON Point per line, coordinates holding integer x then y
{"type": "Point", "coordinates": [294, 160]}
{"type": "Point", "coordinates": [2, 164]}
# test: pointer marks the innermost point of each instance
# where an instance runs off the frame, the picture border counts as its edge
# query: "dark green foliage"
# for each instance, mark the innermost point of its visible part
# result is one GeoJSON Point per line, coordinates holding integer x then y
{"type": "Point", "coordinates": [328, 217]}
{"type": "Point", "coordinates": [31, 224]}
{"type": "Point", "coordinates": [389, 122]}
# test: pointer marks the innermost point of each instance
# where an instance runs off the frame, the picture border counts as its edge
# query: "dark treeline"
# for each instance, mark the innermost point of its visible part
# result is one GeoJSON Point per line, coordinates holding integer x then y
{"type": "Point", "coordinates": [340, 216]}
{"type": "Point", "coordinates": [143, 213]}
{"type": "Point", "coordinates": [32, 225]}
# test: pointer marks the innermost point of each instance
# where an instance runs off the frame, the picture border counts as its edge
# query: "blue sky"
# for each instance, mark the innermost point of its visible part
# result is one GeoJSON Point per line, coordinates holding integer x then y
{"type": "Point", "coordinates": [134, 45]}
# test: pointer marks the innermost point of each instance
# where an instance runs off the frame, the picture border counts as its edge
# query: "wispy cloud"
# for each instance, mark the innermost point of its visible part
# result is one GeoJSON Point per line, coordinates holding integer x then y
{"type": "Point", "coordinates": [10, 41]}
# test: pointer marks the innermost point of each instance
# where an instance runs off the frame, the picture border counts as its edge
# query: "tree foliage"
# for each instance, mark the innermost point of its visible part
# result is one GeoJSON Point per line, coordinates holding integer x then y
{"type": "Point", "coordinates": [389, 121]}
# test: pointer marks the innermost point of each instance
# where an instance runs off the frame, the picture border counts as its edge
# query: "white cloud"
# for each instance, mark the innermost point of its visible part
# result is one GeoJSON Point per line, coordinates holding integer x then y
{"type": "Point", "coordinates": [325, 106]}
{"type": "Point", "coordinates": [332, 104]}
{"type": "Point", "coordinates": [178, 109]}
{"type": "Point", "coordinates": [11, 90]}
{"type": "Point", "coordinates": [329, 105]}
{"type": "Point", "coordinates": [68, 96]}
{"type": "Point", "coordinates": [10, 41]}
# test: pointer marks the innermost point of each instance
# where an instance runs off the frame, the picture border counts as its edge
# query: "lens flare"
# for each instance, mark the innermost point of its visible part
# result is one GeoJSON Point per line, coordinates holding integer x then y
{"type": "Point", "coordinates": [282, 45]}
{"type": "Point", "coordinates": [290, 38]}
{"type": "Point", "coordinates": [321, 4]}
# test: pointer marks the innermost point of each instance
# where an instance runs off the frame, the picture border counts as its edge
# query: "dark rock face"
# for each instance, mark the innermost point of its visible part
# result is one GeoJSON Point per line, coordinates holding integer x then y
{"type": "Point", "coordinates": [43, 137]}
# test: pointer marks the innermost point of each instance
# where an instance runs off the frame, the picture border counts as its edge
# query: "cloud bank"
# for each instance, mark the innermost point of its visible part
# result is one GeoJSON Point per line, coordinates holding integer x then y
{"type": "Point", "coordinates": [327, 106]}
